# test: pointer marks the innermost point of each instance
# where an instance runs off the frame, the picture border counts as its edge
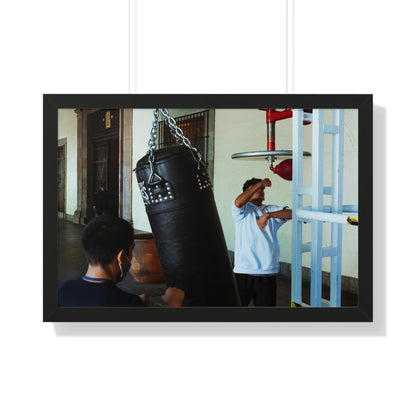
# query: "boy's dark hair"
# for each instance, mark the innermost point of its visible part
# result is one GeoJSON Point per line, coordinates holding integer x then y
{"type": "Point", "coordinates": [104, 237]}
{"type": "Point", "coordinates": [250, 182]}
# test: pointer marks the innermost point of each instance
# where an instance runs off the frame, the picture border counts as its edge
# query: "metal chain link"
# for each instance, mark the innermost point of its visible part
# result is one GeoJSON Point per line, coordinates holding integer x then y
{"type": "Point", "coordinates": [153, 136]}
{"type": "Point", "coordinates": [174, 129]}
{"type": "Point", "coordinates": [177, 133]}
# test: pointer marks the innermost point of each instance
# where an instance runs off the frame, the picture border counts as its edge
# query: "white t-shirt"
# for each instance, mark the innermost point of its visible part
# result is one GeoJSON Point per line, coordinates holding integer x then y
{"type": "Point", "coordinates": [256, 249]}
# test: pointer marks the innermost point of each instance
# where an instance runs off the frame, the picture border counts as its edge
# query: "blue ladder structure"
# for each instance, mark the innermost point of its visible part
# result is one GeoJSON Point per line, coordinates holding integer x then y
{"type": "Point", "coordinates": [317, 214]}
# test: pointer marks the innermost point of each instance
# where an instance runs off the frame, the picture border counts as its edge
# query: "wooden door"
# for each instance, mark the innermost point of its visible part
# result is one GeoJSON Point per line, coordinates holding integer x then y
{"type": "Point", "coordinates": [106, 169]}
{"type": "Point", "coordinates": [103, 158]}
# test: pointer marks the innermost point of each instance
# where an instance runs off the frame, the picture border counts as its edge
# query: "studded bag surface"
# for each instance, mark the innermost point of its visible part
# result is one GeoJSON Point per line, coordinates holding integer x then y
{"type": "Point", "coordinates": [177, 193]}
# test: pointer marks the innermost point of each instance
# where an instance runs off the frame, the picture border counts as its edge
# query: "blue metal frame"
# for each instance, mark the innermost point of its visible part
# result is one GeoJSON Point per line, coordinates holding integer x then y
{"type": "Point", "coordinates": [317, 214]}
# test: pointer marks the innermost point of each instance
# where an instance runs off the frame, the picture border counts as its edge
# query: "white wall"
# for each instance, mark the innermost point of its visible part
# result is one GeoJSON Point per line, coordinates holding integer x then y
{"type": "Point", "coordinates": [67, 128]}
{"type": "Point", "coordinates": [187, 59]}
{"type": "Point", "coordinates": [142, 125]}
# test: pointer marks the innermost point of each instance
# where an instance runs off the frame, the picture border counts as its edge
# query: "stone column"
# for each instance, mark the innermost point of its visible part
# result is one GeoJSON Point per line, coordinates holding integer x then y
{"type": "Point", "coordinates": [81, 210]}
{"type": "Point", "coordinates": [125, 163]}
{"type": "Point", "coordinates": [77, 213]}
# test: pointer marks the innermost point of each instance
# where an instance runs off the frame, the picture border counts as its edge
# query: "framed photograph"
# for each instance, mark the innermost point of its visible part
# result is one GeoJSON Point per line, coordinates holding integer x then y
{"type": "Point", "coordinates": [210, 208]}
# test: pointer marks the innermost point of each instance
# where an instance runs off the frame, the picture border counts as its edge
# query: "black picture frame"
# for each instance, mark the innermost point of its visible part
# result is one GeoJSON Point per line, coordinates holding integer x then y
{"type": "Point", "coordinates": [362, 313]}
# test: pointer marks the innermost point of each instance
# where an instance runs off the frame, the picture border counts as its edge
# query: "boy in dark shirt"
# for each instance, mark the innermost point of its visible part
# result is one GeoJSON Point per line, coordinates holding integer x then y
{"type": "Point", "coordinates": [108, 245]}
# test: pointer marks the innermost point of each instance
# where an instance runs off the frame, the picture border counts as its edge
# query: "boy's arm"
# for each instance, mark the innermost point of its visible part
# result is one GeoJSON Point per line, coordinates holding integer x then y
{"type": "Point", "coordinates": [244, 197]}
{"type": "Point", "coordinates": [285, 214]}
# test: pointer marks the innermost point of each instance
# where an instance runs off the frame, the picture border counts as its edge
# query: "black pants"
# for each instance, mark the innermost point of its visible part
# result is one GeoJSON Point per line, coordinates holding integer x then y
{"type": "Point", "coordinates": [262, 289]}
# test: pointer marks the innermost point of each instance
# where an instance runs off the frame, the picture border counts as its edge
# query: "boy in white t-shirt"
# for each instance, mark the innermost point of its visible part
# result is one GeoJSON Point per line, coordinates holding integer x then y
{"type": "Point", "coordinates": [256, 257]}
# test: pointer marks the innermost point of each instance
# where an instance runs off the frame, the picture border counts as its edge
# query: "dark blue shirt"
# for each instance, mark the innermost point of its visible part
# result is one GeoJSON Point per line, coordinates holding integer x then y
{"type": "Point", "coordinates": [81, 293]}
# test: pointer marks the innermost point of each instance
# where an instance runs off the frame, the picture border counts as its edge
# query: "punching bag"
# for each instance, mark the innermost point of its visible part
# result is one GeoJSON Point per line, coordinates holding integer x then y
{"type": "Point", "coordinates": [284, 169]}
{"type": "Point", "coordinates": [179, 201]}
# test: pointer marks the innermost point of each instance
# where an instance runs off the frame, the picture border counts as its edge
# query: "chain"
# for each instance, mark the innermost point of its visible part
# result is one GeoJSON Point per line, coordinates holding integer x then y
{"type": "Point", "coordinates": [174, 129]}
{"type": "Point", "coordinates": [177, 133]}
{"type": "Point", "coordinates": [153, 136]}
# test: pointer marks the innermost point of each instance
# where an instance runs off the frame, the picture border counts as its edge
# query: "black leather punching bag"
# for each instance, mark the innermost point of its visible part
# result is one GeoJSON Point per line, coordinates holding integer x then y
{"type": "Point", "coordinates": [186, 227]}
